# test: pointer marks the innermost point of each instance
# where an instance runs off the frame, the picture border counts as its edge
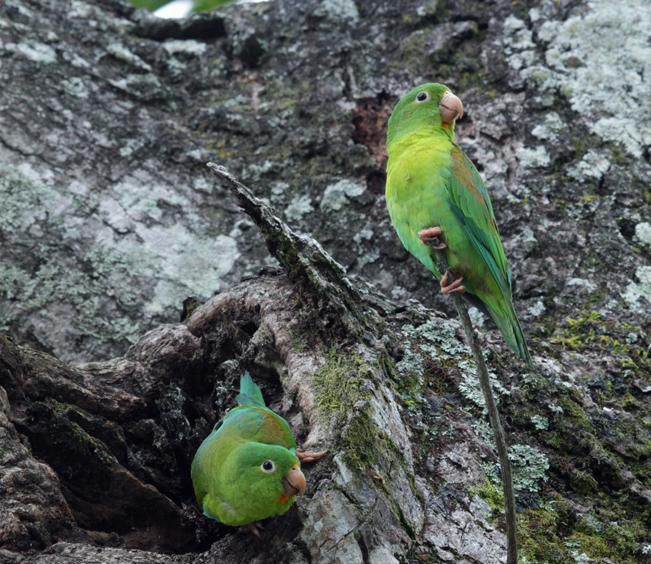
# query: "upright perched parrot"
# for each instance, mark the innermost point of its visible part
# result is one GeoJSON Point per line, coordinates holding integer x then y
{"type": "Point", "coordinates": [248, 469]}
{"type": "Point", "coordinates": [435, 195]}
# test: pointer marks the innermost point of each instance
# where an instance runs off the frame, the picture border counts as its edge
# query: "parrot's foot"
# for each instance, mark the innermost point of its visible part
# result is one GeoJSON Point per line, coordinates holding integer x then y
{"type": "Point", "coordinates": [448, 288]}
{"type": "Point", "coordinates": [255, 528]}
{"type": "Point", "coordinates": [308, 456]}
{"type": "Point", "coordinates": [432, 236]}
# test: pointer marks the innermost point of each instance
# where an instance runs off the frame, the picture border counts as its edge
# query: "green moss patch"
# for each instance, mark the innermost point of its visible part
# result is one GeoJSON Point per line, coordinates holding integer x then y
{"type": "Point", "coordinates": [343, 402]}
{"type": "Point", "coordinates": [593, 331]}
{"type": "Point", "coordinates": [490, 493]}
{"type": "Point", "coordinates": [338, 383]}
{"type": "Point", "coordinates": [555, 535]}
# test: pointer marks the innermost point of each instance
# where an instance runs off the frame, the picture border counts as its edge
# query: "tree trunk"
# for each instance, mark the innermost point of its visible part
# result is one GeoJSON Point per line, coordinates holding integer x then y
{"type": "Point", "coordinates": [110, 220]}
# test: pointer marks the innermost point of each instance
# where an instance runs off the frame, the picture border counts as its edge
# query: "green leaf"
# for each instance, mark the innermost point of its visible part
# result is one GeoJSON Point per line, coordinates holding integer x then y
{"type": "Point", "coordinates": [207, 5]}
{"type": "Point", "coordinates": [150, 5]}
{"type": "Point", "coordinates": [199, 5]}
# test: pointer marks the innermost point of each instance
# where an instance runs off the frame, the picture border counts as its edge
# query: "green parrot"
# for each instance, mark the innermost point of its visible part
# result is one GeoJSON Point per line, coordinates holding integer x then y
{"type": "Point", "coordinates": [436, 197]}
{"type": "Point", "coordinates": [248, 468]}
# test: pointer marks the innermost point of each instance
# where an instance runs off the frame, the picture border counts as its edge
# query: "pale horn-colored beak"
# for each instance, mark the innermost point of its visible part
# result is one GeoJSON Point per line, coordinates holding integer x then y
{"type": "Point", "coordinates": [450, 108]}
{"type": "Point", "coordinates": [294, 482]}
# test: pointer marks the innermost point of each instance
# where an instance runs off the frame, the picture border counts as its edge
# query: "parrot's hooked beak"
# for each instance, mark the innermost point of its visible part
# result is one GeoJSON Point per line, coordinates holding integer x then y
{"type": "Point", "coordinates": [294, 482]}
{"type": "Point", "coordinates": [450, 108]}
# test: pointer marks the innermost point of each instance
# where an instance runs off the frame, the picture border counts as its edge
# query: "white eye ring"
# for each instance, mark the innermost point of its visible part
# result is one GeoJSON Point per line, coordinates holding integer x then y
{"type": "Point", "coordinates": [422, 96]}
{"type": "Point", "coordinates": [268, 466]}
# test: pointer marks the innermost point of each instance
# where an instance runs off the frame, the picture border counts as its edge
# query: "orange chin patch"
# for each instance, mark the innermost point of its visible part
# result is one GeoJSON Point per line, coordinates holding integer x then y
{"type": "Point", "coordinates": [283, 499]}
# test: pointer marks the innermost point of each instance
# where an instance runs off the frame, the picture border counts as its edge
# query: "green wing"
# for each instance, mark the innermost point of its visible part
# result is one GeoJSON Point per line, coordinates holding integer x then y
{"type": "Point", "coordinates": [254, 420]}
{"type": "Point", "coordinates": [258, 424]}
{"type": "Point", "coordinates": [471, 204]}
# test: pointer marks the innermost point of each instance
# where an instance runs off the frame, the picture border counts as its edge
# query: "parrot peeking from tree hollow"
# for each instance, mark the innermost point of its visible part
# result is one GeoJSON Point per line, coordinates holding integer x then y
{"type": "Point", "coordinates": [248, 468]}
{"type": "Point", "coordinates": [436, 199]}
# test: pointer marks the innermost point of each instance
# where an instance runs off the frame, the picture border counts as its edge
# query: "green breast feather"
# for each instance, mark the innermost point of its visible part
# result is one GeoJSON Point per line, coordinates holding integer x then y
{"type": "Point", "coordinates": [246, 470]}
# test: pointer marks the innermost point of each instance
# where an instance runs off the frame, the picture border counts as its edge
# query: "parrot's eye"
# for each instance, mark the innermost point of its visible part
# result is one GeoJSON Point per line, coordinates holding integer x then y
{"type": "Point", "coordinates": [422, 96]}
{"type": "Point", "coordinates": [268, 466]}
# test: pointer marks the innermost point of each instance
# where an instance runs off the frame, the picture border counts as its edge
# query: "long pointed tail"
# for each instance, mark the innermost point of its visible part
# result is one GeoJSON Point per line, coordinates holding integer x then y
{"type": "Point", "coordinates": [250, 393]}
{"type": "Point", "coordinates": [508, 324]}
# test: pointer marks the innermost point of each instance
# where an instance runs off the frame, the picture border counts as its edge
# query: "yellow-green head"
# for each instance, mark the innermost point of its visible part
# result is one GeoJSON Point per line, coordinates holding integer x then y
{"type": "Point", "coordinates": [259, 481]}
{"type": "Point", "coordinates": [428, 108]}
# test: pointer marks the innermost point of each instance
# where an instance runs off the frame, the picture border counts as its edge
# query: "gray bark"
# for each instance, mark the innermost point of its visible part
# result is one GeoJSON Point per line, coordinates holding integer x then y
{"type": "Point", "coordinates": [110, 220]}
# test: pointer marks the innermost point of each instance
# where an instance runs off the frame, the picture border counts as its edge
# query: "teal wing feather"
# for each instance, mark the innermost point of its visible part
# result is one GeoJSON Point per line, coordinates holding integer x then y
{"type": "Point", "coordinates": [259, 424]}
{"type": "Point", "coordinates": [254, 420]}
{"type": "Point", "coordinates": [471, 204]}
{"type": "Point", "coordinates": [245, 422]}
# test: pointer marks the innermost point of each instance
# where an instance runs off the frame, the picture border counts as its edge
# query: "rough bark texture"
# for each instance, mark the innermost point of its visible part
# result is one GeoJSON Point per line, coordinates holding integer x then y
{"type": "Point", "coordinates": [109, 220]}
